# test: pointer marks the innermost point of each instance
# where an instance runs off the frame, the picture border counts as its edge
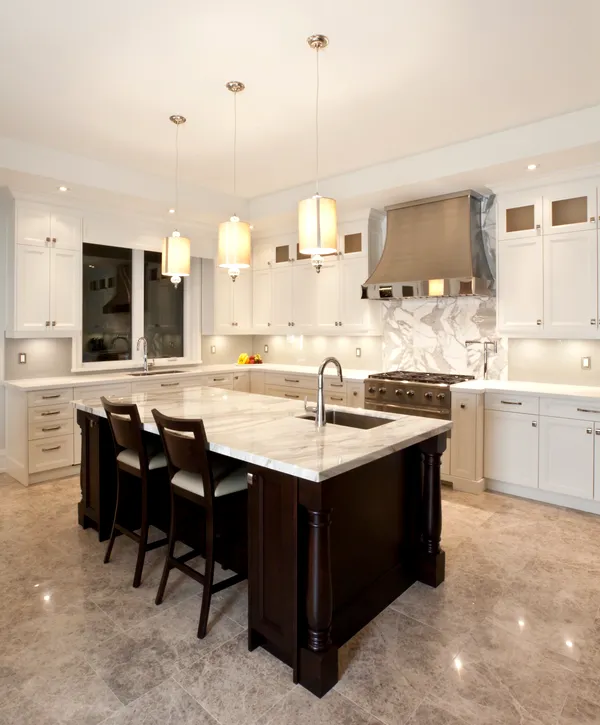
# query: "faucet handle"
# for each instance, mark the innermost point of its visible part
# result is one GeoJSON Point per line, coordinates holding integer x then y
{"type": "Point", "coordinates": [307, 408]}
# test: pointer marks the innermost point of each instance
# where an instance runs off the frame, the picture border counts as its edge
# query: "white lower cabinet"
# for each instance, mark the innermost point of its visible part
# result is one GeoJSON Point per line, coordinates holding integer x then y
{"type": "Point", "coordinates": [241, 382]}
{"type": "Point", "coordinates": [597, 462]}
{"type": "Point", "coordinates": [511, 448]}
{"type": "Point", "coordinates": [465, 454]}
{"type": "Point", "coordinates": [567, 456]}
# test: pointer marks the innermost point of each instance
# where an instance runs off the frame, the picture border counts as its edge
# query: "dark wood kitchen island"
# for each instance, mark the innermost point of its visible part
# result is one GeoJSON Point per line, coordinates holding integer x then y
{"type": "Point", "coordinates": [341, 520]}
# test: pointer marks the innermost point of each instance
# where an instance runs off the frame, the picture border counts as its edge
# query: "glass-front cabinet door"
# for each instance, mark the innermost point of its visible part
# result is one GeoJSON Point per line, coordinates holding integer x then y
{"type": "Point", "coordinates": [520, 215]}
{"type": "Point", "coordinates": [570, 207]}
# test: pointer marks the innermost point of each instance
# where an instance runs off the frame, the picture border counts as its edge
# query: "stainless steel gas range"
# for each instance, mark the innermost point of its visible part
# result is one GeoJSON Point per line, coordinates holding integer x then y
{"type": "Point", "coordinates": [410, 393]}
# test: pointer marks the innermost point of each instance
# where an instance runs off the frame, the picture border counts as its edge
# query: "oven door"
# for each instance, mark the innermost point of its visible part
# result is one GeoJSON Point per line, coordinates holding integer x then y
{"type": "Point", "coordinates": [440, 414]}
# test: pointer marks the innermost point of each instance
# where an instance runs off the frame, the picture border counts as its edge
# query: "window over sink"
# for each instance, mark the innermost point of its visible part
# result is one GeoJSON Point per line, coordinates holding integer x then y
{"type": "Point", "coordinates": [163, 310]}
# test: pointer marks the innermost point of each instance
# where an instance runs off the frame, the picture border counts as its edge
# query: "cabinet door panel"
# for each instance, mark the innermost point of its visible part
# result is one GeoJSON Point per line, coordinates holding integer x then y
{"type": "Point", "coordinates": [355, 313]}
{"type": "Point", "coordinates": [32, 224]}
{"type": "Point", "coordinates": [261, 300]}
{"type": "Point", "coordinates": [567, 456]}
{"type": "Point", "coordinates": [282, 299]}
{"type": "Point", "coordinates": [223, 302]}
{"type": "Point", "coordinates": [520, 286]}
{"type": "Point", "coordinates": [328, 296]}
{"type": "Point", "coordinates": [304, 298]}
{"type": "Point", "coordinates": [570, 208]}
{"type": "Point", "coordinates": [571, 283]}
{"type": "Point", "coordinates": [463, 448]}
{"type": "Point", "coordinates": [520, 216]}
{"type": "Point", "coordinates": [32, 303]}
{"type": "Point", "coordinates": [511, 448]}
{"type": "Point", "coordinates": [597, 462]}
{"type": "Point", "coordinates": [65, 290]}
{"type": "Point", "coordinates": [66, 230]}
{"type": "Point", "coordinates": [242, 301]}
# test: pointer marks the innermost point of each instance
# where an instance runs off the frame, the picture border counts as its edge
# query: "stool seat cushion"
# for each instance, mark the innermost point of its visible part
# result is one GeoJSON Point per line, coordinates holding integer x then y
{"type": "Point", "coordinates": [131, 458]}
{"type": "Point", "coordinates": [193, 482]}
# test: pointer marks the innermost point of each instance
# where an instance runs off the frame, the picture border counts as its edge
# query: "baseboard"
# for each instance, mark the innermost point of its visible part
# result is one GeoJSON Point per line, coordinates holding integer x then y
{"type": "Point", "coordinates": [538, 494]}
{"type": "Point", "coordinates": [2, 461]}
{"type": "Point", "coordinates": [464, 484]}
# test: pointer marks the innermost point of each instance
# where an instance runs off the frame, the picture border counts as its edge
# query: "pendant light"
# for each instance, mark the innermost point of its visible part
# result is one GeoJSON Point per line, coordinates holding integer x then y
{"type": "Point", "coordinates": [234, 235]}
{"type": "Point", "coordinates": [176, 249]}
{"type": "Point", "coordinates": [317, 216]}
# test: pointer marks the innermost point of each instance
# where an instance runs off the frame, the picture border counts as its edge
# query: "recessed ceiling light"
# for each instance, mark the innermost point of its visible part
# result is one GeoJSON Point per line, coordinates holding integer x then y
{"type": "Point", "coordinates": [569, 643]}
{"type": "Point", "coordinates": [63, 188]}
{"type": "Point", "coordinates": [46, 597]}
{"type": "Point", "coordinates": [458, 663]}
{"type": "Point", "coordinates": [171, 211]}
{"type": "Point", "coordinates": [521, 622]}
{"type": "Point", "coordinates": [532, 167]}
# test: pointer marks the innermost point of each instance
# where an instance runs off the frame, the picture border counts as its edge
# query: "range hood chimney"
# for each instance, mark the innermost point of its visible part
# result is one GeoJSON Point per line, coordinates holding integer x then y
{"type": "Point", "coordinates": [434, 248]}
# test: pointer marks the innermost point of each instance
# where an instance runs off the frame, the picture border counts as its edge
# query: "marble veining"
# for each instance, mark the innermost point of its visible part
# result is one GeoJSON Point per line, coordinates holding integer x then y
{"type": "Point", "coordinates": [267, 431]}
{"type": "Point", "coordinates": [573, 392]}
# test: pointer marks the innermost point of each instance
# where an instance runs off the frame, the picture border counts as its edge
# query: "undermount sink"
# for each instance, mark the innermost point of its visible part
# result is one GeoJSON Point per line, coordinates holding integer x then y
{"type": "Point", "coordinates": [156, 372]}
{"type": "Point", "coordinates": [350, 420]}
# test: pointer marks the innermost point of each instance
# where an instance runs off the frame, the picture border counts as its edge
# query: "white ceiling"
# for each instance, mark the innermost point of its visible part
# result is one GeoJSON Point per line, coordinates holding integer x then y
{"type": "Point", "coordinates": [99, 79]}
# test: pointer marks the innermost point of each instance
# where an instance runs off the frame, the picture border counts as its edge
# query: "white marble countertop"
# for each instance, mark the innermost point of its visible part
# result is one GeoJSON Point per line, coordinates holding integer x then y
{"type": "Point", "coordinates": [266, 431]}
{"type": "Point", "coordinates": [527, 388]}
{"type": "Point", "coordinates": [84, 379]}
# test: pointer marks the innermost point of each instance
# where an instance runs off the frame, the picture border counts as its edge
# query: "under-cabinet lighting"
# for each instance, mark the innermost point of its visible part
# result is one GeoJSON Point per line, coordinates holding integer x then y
{"type": "Point", "coordinates": [532, 167]}
{"type": "Point", "coordinates": [63, 188]}
{"type": "Point", "coordinates": [171, 211]}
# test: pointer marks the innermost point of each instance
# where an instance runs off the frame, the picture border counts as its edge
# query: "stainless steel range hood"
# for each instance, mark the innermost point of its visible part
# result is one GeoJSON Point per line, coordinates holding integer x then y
{"type": "Point", "coordinates": [433, 248]}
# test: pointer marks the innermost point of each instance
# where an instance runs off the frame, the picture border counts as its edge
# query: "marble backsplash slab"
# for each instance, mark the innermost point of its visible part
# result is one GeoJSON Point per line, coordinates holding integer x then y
{"type": "Point", "coordinates": [428, 335]}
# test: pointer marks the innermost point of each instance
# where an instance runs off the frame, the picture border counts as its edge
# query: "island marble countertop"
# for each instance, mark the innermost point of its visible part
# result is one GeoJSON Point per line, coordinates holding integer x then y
{"type": "Point", "coordinates": [266, 431]}
{"type": "Point", "coordinates": [83, 379]}
{"type": "Point", "coordinates": [527, 388]}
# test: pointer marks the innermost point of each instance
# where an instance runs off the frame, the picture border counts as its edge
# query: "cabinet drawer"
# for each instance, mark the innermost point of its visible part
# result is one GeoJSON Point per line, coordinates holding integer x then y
{"type": "Point", "coordinates": [332, 385]}
{"type": "Point", "coordinates": [335, 398]}
{"type": "Point", "coordinates": [50, 453]}
{"type": "Point", "coordinates": [47, 413]}
{"type": "Point", "coordinates": [120, 390]}
{"type": "Point", "coordinates": [50, 429]}
{"type": "Point", "coordinates": [219, 380]}
{"type": "Point", "coordinates": [162, 386]}
{"type": "Point", "coordinates": [513, 403]}
{"type": "Point", "coordinates": [49, 397]}
{"type": "Point", "coordinates": [291, 393]}
{"type": "Point", "coordinates": [290, 380]}
{"type": "Point", "coordinates": [585, 409]}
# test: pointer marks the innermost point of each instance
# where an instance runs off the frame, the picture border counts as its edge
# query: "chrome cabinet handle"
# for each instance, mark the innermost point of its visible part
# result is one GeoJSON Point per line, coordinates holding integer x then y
{"type": "Point", "coordinates": [250, 479]}
{"type": "Point", "coordinates": [539, 322]}
{"type": "Point", "coordinates": [168, 385]}
{"type": "Point", "coordinates": [52, 427]}
{"type": "Point", "coordinates": [53, 323]}
{"type": "Point", "coordinates": [340, 324]}
{"type": "Point", "coordinates": [588, 410]}
{"type": "Point", "coordinates": [598, 431]}
{"type": "Point", "coordinates": [593, 321]}
{"type": "Point", "coordinates": [588, 431]}
{"type": "Point", "coordinates": [291, 380]}
{"type": "Point", "coordinates": [268, 324]}
{"type": "Point", "coordinates": [47, 323]}
{"type": "Point", "coordinates": [534, 423]}
{"type": "Point", "coordinates": [50, 397]}
{"type": "Point", "coordinates": [592, 219]}
{"type": "Point", "coordinates": [336, 323]}
{"type": "Point", "coordinates": [54, 448]}
{"type": "Point", "coordinates": [510, 402]}
{"type": "Point", "coordinates": [538, 226]}
{"type": "Point", "coordinates": [50, 412]}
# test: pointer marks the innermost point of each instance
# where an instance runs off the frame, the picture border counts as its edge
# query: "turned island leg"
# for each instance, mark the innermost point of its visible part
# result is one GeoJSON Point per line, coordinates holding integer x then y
{"type": "Point", "coordinates": [432, 560]}
{"type": "Point", "coordinates": [318, 666]}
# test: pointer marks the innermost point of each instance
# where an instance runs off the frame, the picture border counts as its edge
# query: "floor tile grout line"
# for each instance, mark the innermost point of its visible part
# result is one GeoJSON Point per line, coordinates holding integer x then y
{"type": "Point", "coordinates": [281, 699]}
{"type": "Point", "coordinates": [364, 709]}
{"type": "Point", "coordinates": [195, 699]}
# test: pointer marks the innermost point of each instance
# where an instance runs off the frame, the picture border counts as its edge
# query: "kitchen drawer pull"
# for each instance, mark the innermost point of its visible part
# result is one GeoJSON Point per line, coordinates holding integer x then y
{"type": "Point", "coordinates": [54, 448]}
{"type": "Point", "coordinates": [289, 395]}
{"type": "Point", "coordinates": [291, 380]}
{"type": "Point", "coordinates": [510, 402]}
{"type": "Point", "coordinates": [333, 397]}
{"type": "Point", "coordinates": [593, 321]}
{"type": "Point", "coordinates": [219, 380]}
{"type": "Point", "coordinates": [52, 427]}
{"type": "Point", "coordinates": [337, 385]}
{"type": "Point", "coordinates": [588, 410]}
{"type": "Point", "coordinates": [588, 431]}
{"type": "Point", "coordinates": [169, 385]}
{"type": "Point", "coordinates": [50, 397]}
{"type": "Point", "coordinates": [50, 412]}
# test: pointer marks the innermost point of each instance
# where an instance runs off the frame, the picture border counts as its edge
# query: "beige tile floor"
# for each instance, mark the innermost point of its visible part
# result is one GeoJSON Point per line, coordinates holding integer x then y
{"type": "Point", "coordinates": [512, 636]}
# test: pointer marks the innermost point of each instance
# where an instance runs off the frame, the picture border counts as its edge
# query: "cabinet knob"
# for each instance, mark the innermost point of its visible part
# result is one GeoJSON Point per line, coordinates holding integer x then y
{"type": "Point", "coordinates": [463, 405]}
{"type": "Point", "coordinates": [355, 393]}
{"type": "Point", "coordinates": [268, 324]}
{"type": "Point", "coordinates": [593, 321]}
{"type": "Point", "coordinates": [47, 323]}
{"type": "Point", "coordinates": [588, 431]}
{"type": "Point", "coordinates": [598, 431]}
{"type": "Point", "coordinates": [534, 423]}
{"type": "Point", "coordinates": [592, 219]}
{"type": "Point", "coordinates": [539, 322]}
{"type": "Point", "coordinates": [538, 226]}
{"type": "Point", "coordinates": [53, 240]}
{"type": "Point", "coordinates": [53, 323]}
{"type": "Point", "coordinates": [47, 239]}
{"type": "Point", "coordinates": [336, 323]}
{"type": "Point", "coordinates": [340, 324]}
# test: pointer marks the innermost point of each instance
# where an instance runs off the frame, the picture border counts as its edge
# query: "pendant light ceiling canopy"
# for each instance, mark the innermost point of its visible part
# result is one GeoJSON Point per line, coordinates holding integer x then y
{"type": "Point", "coordinates": [234, 235]}
{"type": "Point", "coordinates": [175, 248]}
{"type": "Point", "coordinates": [317, 216]}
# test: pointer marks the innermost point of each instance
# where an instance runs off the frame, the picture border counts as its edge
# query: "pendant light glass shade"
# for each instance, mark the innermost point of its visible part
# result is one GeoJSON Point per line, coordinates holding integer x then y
{"type": "Point", "coordinates": [176, 257]}
{"type": "Point", "coordinates": [317, 225]}
{"type": "Point", "coordinates": [235, 242]}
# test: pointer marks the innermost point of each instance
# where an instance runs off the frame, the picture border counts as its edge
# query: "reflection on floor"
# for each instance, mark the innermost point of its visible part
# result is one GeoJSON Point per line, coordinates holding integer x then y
{"type": "Point", "coordinates": [512, 636]}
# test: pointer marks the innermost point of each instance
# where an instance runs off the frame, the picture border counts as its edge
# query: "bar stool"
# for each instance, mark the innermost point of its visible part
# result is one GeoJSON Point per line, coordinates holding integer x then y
{"type": "Point", "coordinates": [211, 481]}
{"type": "Point", "coordinates": [133, 457]}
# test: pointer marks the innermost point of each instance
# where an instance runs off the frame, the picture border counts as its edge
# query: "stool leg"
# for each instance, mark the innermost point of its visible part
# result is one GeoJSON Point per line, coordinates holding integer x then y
{"type": "Point", "coordinates": [209, 572]}
{"type": "Point", "coordinates": [139, 565]}
{"type": "Point", "coordinates": [170, 553]}
{"type": "Point", "coordinates": [113, 533]}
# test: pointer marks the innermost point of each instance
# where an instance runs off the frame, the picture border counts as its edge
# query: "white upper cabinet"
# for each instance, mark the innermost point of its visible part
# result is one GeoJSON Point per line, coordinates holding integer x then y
{"type": "Point", "coordinates": [282, 300]}
{"type": "Point", "coordinates": [242, 301]}
{"type": "Point", "coordinates": [261, 301]}
{"type": "Point", "coordinates": [32, 289]}
{"type": "Point", "coordinates": [356, 314]}
{"type": "Point", "coordinates": [520, 286]}
{"type": "Point", "coordinates": [65, 297]}
{"type": "Point", "coordinates": [520, 215]}
{"type": "Point", "coordinates": [571, 284]}
{"type": "Point", "coordinates": [41, 225]}
{"type": "Point", "coordinates": [223, 302]}
{"type": "Point", "coordinates": [304, 298]}
{"type": "Point", "coordinates": [327, 283]}
{"type": "Point", "coordinates": [571, 474]}
{"type": "Point", "coordinates": [570, 208]}
{"type": "Point", "coordinates": [263, 256]}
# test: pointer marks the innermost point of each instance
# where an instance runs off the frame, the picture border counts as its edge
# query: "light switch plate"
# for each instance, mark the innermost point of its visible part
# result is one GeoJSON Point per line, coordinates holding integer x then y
{"type": "Point", "coordinates": [22, 358]}
{"type": "Point", "coordinates": [586, 362]}
{"type": "Point", "coordinates": [358, 352]}
{"type": "Point", "coordinates": [213, 349]}
{"type": "Point", "coordinates": [266, 348]}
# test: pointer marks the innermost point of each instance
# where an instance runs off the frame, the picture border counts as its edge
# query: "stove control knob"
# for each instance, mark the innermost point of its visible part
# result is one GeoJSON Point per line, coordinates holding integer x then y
{"type": "Point", "coordinates": [410, 393]}
{"type": "Point", "coordinates": [398, 391]}
{"type": "Point", "coordinates": [441, 396]}
{"type": "Point", "coordinates": [383, 391]}
{"type": "Point", "coordinates": [372, 390]}
{"type": "Point", "coordinates": [429, 396]}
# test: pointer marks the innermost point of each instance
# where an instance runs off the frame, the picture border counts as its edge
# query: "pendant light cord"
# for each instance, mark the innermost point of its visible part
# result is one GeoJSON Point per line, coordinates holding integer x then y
{"type": "Point", "coordinates": [234, 142]}
{"type": "Point", "coordinates": [177, 176]}
{"type": "Point", "coordinates": [317, 127]}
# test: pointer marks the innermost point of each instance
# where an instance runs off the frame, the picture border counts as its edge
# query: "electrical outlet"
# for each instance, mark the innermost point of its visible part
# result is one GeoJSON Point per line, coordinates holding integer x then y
{"type": "Point", "coordinates": [266, 348]}
{"type": "Point", "coordinates": [358, 352]}
{"type": "Point", "coordinates": [213, 349]}
{"type": "Point", "coordinates": [586, 362]}
{"type": "Point", "coordinates": [22, 358]}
